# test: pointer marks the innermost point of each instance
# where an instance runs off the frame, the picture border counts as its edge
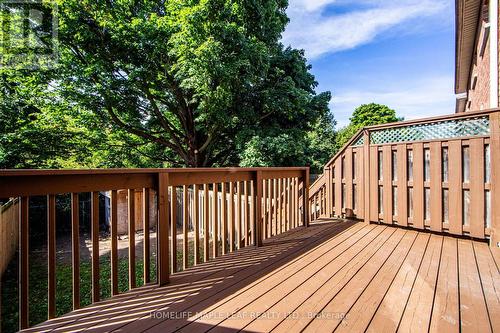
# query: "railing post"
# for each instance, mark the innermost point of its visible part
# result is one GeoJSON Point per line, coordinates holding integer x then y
{"type": "Point", "coordinates": [305, 197]}
{"type": "Point", "coordinates": [258, 218]}
{"type": "Point", "coordinates": [328, 183]}
{"type": "Point", "coordinates": [365, 187]}
{"type": "Point", "coordinates": [163, 229]}
{"type": "Point", "coordinates": [495, 177]}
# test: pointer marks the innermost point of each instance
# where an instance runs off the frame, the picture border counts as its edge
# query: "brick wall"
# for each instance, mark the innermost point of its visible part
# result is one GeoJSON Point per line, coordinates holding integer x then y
{"type": "Point", "coordinates": [479, 82]}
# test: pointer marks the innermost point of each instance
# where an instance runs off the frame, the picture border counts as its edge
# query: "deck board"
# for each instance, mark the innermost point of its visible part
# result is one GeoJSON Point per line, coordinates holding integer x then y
{"type": "Point", "coordinates": [445, 312]}
{"type": "Point", "coordinates": [390, 310]}
{"type": "Point", "coordinates": [338, 276]}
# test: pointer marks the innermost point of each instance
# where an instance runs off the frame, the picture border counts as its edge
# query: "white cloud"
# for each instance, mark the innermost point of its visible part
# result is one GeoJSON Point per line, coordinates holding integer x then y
{"type": "Point", "coordinates": [414, 99]}
{"type": "Point", "coordinates": [313, 29]}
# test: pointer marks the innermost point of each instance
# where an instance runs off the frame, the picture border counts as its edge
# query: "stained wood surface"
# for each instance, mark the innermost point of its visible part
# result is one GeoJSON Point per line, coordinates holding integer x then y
{"type": "Point", "coordinates": [341, 276]}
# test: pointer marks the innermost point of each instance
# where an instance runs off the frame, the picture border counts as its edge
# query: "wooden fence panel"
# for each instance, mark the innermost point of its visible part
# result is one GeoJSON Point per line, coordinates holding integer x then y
{"type": "Point", "coordinates": [9, 232]}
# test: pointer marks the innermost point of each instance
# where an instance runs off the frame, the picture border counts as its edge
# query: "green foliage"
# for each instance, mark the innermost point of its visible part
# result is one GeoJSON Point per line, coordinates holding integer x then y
{"type": "Point", "coordinates": [365, 115]}
{"type": "Point", "coordinates": [170, 83]}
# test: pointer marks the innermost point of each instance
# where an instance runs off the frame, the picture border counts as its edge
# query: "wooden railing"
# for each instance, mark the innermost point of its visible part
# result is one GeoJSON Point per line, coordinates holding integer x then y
{"type": "Point", "coordinates": [440, 174]}
{"type": "Point", "coordinates": [9, 232]}
{"type": "Point", "coordinates": [222, 210]}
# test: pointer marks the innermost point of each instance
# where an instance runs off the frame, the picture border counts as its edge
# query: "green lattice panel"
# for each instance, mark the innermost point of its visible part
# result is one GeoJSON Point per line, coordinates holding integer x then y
{"type": "Point", "coordinates": [441, 130]}
{"type": "Point", "coordinates": [359, 141]}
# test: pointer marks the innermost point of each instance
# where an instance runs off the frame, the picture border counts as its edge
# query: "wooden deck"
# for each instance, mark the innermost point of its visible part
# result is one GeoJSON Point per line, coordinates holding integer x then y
{"type": "Point", "coordinates": [332, 276]}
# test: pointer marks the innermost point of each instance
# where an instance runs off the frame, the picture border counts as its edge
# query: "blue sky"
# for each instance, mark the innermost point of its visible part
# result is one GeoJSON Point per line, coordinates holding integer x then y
{"type": "Point", "coordinates": [395, 52]}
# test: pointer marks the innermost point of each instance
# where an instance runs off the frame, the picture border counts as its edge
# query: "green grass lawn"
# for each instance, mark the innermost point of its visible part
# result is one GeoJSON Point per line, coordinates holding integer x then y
{"type": "Point", "coordinates": [64, 285]}
{"type": "Point", "coordinates": [64, 288]}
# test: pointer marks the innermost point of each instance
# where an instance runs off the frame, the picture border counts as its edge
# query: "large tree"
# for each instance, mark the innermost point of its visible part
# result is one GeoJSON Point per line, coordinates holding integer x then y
{"type": "Point", "coordinates": [365, 115]}
{"type": "Point", "coordinates": [199, 80]}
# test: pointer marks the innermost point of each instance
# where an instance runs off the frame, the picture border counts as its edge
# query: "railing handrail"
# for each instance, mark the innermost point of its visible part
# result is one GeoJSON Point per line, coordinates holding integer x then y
{"type": "Point", "coordinates": [56, 172]}
{"type": "Point", "coordinates": [15, 183]}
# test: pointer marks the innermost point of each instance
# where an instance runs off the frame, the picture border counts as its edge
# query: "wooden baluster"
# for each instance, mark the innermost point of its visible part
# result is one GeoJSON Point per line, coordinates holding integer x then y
{"type": "Point", "coordinates": [173, 229]}
{"type": "Point", "coordinates": [269, 208]}
{"type": "Point", "coordinates": [131, 239]}
{"type": "Point", "coordinates": [285, 204]}
{"type": "Point", "coordinates": [292, 208]}
{"type": "Point", "coordinates": [315, 206]}
{"type": "Point", "coordinates": [253, 217]}
{"type": "Point", "coordinates": [280, 206]}
{"type": "Point", "coordinates": [51, 244]}
{"type": "Point", "coordinates": [238, 216]}
{"type": "Point", "coordinates": [206, 218]}
{"type": "Point", "coordinates": [224, 212]}
{"type": "Point", "coordinates": [185, 225]}
{"type": "Point", "coordinates": [215, 220]}
{"type": "Point", "coordinates": [95, 246]}
{"type": "Point", "coordinates": [75, 244]}
{"type": "Point", "coordinates": [145, 231]}
{"type": "Point", "coordinates": [258, 222]}
{"type": "Point", "coordinates": [265, 212]}
{"type": "Point", "coordinates": [290, 203]}
{"type": "Point", "coordinates": [23, 263]}
{"type": "Point", "coordinates": [275, 206]}
{"type": "Point", "coordinates": [196, 223]}
{"type": "Point", "coordinates": [245, 212]}
{"type": "Point", "coordinates": [114, 243]}
{"type": "Point", "coordinates": [163, 229]}
{"type": "Point", "coordinates": [231, 217]}
{"type": "Point", "coordinates": [305, 190]}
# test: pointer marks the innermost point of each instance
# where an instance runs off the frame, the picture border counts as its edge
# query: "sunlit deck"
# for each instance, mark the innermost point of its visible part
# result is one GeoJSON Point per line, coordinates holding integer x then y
{"type": "Point", "coordinates": [332, 276]}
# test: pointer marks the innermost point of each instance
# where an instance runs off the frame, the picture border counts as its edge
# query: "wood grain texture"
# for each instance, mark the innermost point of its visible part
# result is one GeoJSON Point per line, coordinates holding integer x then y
{"type": "Point", "coordinates": [185, 227]}
{"type": "Point", "coordinates": [380, 279]}
{"type": "Point", "coordinates": [436, 190]}
{"type": "Point", "coordinates": [402, 213]}
{"type": "Point", "coordinates": [75, 246]}
{"type": "Point", "coordinates": [196, 224]}
{"type": "Point", "coordinates": [455, 185]}
{"type": "Point", "coordinates": [94, 222]}
{"type": "Point", "coordinates": [114, 243]}
{"type": "Point", "coordinates": [23, 262]}
{"type": "Point", "coordinates": [131, 239]}
{"type": "Point", "coordinates": [418, 186]}
{"type": "Point", "coordinates": [477, 181]}
{"type": "Point", "coordinates": [163, 230]}
{"type": "Point", "coordinates": [146, 236]}
{"type": "Point", "coordinates": [51, 255]}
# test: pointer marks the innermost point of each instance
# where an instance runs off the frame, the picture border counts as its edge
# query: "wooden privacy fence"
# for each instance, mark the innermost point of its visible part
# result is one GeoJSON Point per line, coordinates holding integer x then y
{"type": "Point", "coordinates": [229, 209]}
{"type": "Point", "coordinates": [9, 233]}
{"type": "Point", "coordinates": [440, 174]}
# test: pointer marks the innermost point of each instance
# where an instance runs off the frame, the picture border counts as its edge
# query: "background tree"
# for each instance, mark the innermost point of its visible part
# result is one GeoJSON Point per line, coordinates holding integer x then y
{"type": "Point", "coordinates": [365, 115]}
{"type": "Point", "coordinates": [203, 82]}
